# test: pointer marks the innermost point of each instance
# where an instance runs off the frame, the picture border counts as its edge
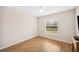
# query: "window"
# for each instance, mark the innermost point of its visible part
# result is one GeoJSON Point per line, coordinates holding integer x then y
{"type": "Point", "coordinates": [52, 26]}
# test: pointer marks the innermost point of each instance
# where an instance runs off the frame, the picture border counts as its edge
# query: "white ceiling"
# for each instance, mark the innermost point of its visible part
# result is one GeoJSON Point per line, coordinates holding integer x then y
{"type": "Point", "coordinates": [44, 10]}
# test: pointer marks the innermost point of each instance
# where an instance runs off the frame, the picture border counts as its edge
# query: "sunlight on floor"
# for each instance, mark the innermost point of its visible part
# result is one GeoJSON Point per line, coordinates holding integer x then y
{"type": "Point", "coordinates": [51, 47]}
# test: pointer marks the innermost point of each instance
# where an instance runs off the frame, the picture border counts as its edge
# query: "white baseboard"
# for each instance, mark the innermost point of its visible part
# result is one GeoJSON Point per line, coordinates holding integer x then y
{"type": "Point", "coordinates": [18, 41]}
{"type": "Point", "coordinates": [55, 39]}
{"type": "Point", "coordinates": [30, 38]}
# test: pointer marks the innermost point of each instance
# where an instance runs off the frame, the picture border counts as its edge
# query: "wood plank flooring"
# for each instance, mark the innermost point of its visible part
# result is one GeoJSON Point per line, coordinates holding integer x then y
{"type": "Point", "coordinates": [40, 44]}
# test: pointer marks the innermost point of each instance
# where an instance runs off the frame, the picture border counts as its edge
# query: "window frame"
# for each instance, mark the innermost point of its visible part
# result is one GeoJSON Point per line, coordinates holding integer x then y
{"type": "Point", "coordinates": [51, 33]}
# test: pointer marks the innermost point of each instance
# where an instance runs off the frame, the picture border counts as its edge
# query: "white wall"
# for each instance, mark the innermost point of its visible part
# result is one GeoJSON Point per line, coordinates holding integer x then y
{"type": "Point", "coordinates": [66, 26]}
{"type": "Point", "coordinates": [16, 27]}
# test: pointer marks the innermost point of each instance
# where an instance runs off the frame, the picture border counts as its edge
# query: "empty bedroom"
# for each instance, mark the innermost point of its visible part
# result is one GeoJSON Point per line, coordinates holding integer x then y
{"type": "Point", "coordinates": [39, 28]}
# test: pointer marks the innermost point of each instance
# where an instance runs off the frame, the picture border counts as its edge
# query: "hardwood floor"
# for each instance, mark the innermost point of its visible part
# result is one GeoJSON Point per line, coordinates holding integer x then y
{"type": "Point", "coordinates": [40, 44]}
